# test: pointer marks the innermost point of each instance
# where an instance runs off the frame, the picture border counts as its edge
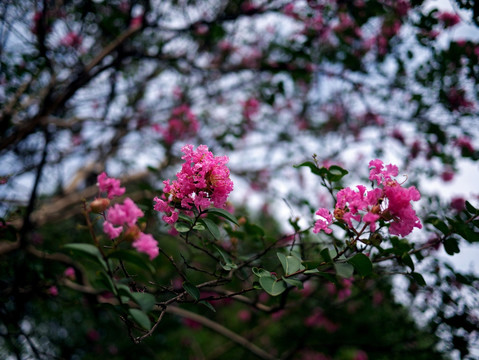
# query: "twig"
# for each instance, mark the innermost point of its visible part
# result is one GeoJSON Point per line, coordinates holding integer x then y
{"type": "Point", "coordinates": [151, 331]}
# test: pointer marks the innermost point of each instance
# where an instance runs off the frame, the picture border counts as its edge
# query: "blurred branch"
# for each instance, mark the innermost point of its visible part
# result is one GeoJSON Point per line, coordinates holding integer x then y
{"type": "Point", "coordinates": [262, 354]}
{"type": "Point", "coordinates": [63, 207]}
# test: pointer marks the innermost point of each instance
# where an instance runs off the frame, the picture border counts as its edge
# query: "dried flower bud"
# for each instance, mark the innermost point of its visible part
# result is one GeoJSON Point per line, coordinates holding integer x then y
{"type": "Point", "coordinates": [132, 233]}
{"type": "Point", "coordinates": [99, 205]}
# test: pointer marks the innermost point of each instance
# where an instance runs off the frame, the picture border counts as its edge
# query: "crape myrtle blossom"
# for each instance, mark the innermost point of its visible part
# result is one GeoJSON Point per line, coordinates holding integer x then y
{"type": "Point", "coordinates": [203, 181]}
{"type": "Point", "coordinates": [122, 218]}
{"type": "Point", "coordinates": [389, 202]}
{"type": "Point", "coordinates": [110, 185]}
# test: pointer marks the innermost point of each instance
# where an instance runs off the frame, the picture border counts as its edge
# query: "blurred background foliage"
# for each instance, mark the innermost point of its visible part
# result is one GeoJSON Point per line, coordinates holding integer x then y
{"type": "Point", "coordinates": [120, 86]}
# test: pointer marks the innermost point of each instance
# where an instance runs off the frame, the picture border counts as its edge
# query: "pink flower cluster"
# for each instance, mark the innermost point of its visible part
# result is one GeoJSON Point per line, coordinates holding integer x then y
{"type": "Point", "coordinates": [110, 185]}
{"type": "Point", "coordinates": [449, 19]}
{"type": "Point", "coordinates": [389, 202]}
{"type": "Point", "coordinates": [122, 218]}
{"type": "Point", "coordinates": [203, 180]}
{"type": "Point", "coordinates": [181, 124]}
{"type": "Point", "coordinates": [72, 39]}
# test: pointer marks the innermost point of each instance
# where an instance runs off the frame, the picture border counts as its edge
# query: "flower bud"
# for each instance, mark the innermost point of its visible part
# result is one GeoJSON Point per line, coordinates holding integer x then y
{"type": "Point", "coordinates": [376, 239]}
{"type": "Point", "coordinates": [99, 205]}
{"type": "Point", "coordinates": [132, 233]}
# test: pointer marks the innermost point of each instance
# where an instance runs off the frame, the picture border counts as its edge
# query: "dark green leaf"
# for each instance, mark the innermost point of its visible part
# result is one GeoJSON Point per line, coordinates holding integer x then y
{"type": "Point", "coordinates": [185, 218]}
{"type": "Point", "coordinates": [140, 318]}
{"type": "Point", "coordinates": [406, 259]}
{"type": "Point", "coordinates": [212, 227]}
{"type": "Point", "coordinates": [228, 264]}
{"type": "Point", "coordinates": [440, 225]}
{"type": "Point", "coordinates": [451, 246]}
{"type": "Point", "coordinates": [89, 250]}
{"type": "Point", "coordinates": [207, 304]}
{"type": "Point", "coordinates": [223, 213]}
{"type": "Point", "coordinates": [418, 278]}
{"type": "Point", "coordinates": [192, 290]}
{"type": "Point", "coordinates": [471, 208]}
{"type": "Point", "coordinates": [145, 300]}
{"type": "Point", "coordinates": [133, 257]}
{"type": "Point", "coordinates": [254, 229]}
{"type": "Point", "coordinates": [362, 264]}
{"type": "Point", "coordinates": [314, 169]}
{"type": "Point", "coordinates": [107, 282]}
{"type": "Point", "coordinates": [311, 264]}
{"type": "Point", "coordinates": [325, 255]}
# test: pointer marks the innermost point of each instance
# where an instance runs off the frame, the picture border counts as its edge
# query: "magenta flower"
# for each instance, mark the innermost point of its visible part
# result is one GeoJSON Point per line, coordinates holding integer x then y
{"type": "Point", "coordinates": [111, 231]}
{"type": "Point", "coordinates": [181, 125]}
{"type": "Point", "coordinates": [389, 202]}
{"type": "Point", "coordinates": [145, 243]}
{"type": "Point", "coordinates": [110, 185]}
{"type": "Point", "coordinates": [127, 213]}
{"type": "Point", "coordinates": [449, 19]}
{"type": "Point", "coordinates": [72, 39]}
{"type": "Point", "coordinates": [381, 174]}
{"type": "Point", "coordinates": [203, 181]}
{"type": "Point", "coordinates": [324, 222]}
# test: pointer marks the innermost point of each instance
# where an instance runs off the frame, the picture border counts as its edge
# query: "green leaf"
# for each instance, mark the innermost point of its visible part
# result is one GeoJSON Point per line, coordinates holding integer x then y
{"type": "Point", "coordinates": [133, 257]}
{"type": "Point", "coordinates": [89, 250]}
{"type": "Point", "coordinates": [344, 270]}
{"type": "Point", "coordinates": [254, 230]}
{"type": "Point", "coordinates": [140, 318]}
{"type": "Point", "coordinates": [406, 259]}
{"type": "Point", "coordinates": [451, 246]}
{"type": "Point", "coordinates": [471, 208]}
{"type": "Point", "coordinates": [192, 290]}
{"type": "Point", "coordinates": [185, 218]}
{"type": "Point", "coordinates": [282, 260]}
{"type": "Point", "coordinates": [325, 255]}
{"type": "Point", "coordinates": [336, 173]}
{"type": "Point", "coordinates": [259, 272]}
{"type": "Point", "coordinates": [293, 282]}
{"type": "Point", "coordinates": [207, 304]}
{"type": "Point", "coordinates": [107, 282]}
{"type": "Point", "coordinates": [272, 286]}
{"type": "Point", "coordinates": [362, 264]}
{"type": "Point", "coordinates": [212, 228]}
{"type": "Point", "coordinates": [228, 264]}
{"type": "Point", "coordinates": [123, 290]}
{"type": "Point", "coordinates": [182, 227]}
{"type": "Point", "coordinates": [291, 264]}
{"type": "Point", "coordinates": [145, 300]}
{"type": "Point", "coordinates": [311, 264]}
{"type": "Point", "coordinates": [223, 213]}
{"type": "Point", "coordinates": [418, 278]}
{"type": "Point", "coordinates": [440, 225]}
{"type": "Point", "coordinates": [314, 169]}
{"type": "Point", "coordinates": [199, 227]}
